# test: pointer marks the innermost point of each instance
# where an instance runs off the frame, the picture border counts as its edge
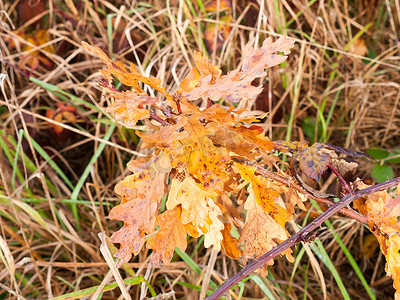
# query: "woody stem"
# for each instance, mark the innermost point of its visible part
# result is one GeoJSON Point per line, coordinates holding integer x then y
{"type": "Point", "coordinates": [300, 236]}
{"type": "Point", "coordinates": [344, 182]}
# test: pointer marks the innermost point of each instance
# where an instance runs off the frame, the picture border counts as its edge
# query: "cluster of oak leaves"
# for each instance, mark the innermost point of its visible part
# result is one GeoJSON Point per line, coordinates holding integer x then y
{"type": "Point", "coordinates": [200, 151]}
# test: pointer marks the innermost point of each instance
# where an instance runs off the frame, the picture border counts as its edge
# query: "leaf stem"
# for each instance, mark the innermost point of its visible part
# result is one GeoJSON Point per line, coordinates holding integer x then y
{"type": "Point", "coordinates": [300, 236]}
{"type": "Point", "coordinates": [155, 117]}
{"type": "Point", "coordinates": [344, 182]}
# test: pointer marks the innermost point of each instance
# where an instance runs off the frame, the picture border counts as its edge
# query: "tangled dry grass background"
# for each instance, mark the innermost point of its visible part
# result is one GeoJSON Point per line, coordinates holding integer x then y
{"type": "Point", "coordinates": [340, 85]}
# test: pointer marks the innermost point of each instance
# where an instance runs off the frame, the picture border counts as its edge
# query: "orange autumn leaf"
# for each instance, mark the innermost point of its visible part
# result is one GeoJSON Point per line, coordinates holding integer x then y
{"type": "Point", "coordinates": [141, 197]}
{"type": "Point", "coordinates": [231, 86]}
{"type": "Point", "coordinates": [155, 163]}
{"type": "Point", "coordinates": [171, 234]}
{"type": "Point", "coordinates": [256, 61]}
{"type": "Point", "coordinates": [167, 137]}
{"type": "Point", "coordinates": [253, 135]}
{"type": "Point", "coordinates": [218, 5]}
{"type": "Point", "coordinates": [205, 161]}
{"type": "Point", "coordinates": [215, 113]}
{"type": "Point", "coordinates": [63, 114]}
{"type": "Point", "coordinates": [383, 212]}
{"type": "Point", "coordinates": [205, 67]}
{"type": "Point", "coordinates": [189, 82]}
{"type": "Point", "coordinates": [129, 78]}
{"type": "Point", "coordinates": [230, 244]}
{"type": "Point", "coordinates": [215, 35]}
{"type": "Point", "coordinates": [234, 142]}
{"type": "Point", "coordinates": [128, 106]}
{"type": "Point", "coordinates": [266, 193]}
{"type": "Point", "coordinates": [236, 85]}
{"type": "Point", "coordinates": [32, 58]}
{"type": "Point", "coordinates": [293, 197]}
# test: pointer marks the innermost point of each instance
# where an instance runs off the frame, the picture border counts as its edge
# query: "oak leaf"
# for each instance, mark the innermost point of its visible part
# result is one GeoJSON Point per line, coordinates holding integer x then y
{"type": "Point", "coordinates": [167, 138]}
{"type": "Point", "coordinates": [226, 205]}
{"type": "Point", "coordinates": [215, 113]}
{"type": "Point", "coordinates": [155, 163]}
{"type": "Point", "coordinates": [128, 106]}
{"type": "Point", "coordinates": [261, 232]}
{"type": "Point", "coordinates": [199, 212]}
{"type": "Point", "coordinates": [205, 67]}
{"type": "Point", "coordinates": [383, 213]}
{"type": "Point", "coordinates": [63, 114]}
{"type": "Point", "coordinates": [141, 197]}
{"type": "Point", "coordinates": [293, 198]}
{"type": "Point", "coordinates": [254, 135]}
{"type": "Point", "coordinates": [230, 244]}
{"type": "Point", "coordinates": [171, 234]}
{"type": "Point", "coordinates": [205, 162]}
{"type": "Point", "coordinates": [266, 193]}
{"type": "Point", "coordinates": [129, 78]}
{"type": "Point", "coordinates": [189, 82]}
{"type": "Point", "coordinates": [236, 85]}
{"type": "Point", "coordinates": [254, 62]}
{"type": "Point", "coordinates": [231, 86]}
{"type": "Point", "coordinates": [234, 142]}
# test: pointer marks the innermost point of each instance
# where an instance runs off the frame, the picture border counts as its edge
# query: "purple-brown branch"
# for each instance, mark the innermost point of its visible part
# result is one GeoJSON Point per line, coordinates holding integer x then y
{"type": "Point", "coordinates": [344, 182]}
{"type": "Point", "coordinates": [302, 235]}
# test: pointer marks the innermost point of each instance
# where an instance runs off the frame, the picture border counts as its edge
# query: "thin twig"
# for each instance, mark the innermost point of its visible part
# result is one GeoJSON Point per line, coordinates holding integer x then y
{"type": "Point", "coordinates": [155, 117]}
{"type": "Point", "coordinates": [344, 182]}
{"type": "Point", "coordinates": [300, 236]}
{"type": "Point", "coordinates": [293, 184]}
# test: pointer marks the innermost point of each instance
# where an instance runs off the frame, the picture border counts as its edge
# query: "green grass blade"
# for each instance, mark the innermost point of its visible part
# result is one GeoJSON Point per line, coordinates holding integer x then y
{"type": "Point", "coordinates": [85, 174]}
{"type": "Point", "coordinates": [49, 160]}
{"type": "Point", "coordinates": [192, 264]}
{"type": "Point", "coordinates": [350, 257]}
{"type": "Point", "coordinates": [10, 158]}
{"type": "Point", "coordinates": [319, 250]}
{"type": "Point", "coordinates": [89, 291]}
{"type": "Point", "coordinates": [257, 280]}
{"type": "Point", "coordinates": [55, 89]}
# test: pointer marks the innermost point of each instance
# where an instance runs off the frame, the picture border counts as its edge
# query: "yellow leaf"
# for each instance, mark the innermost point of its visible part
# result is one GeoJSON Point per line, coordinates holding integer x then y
{"type": "Point", "coordinates": [189, 82]}
{"type": "Point", "coordinates": [266, 192]}
{"type": "Point", "coordinates": [198, 210]}
{"type": "Point", "coordinates": [128, 106]}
